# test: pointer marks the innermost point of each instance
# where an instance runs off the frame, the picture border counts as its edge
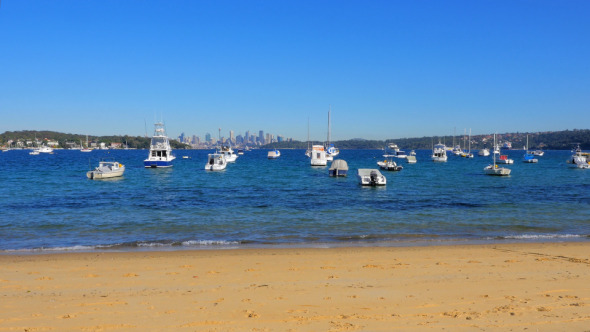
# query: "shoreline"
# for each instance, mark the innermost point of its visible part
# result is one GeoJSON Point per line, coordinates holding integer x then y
{"type": "Point", "coordinates": [455, 287]}
{"type": "Point", "coordinates": [215, 245]}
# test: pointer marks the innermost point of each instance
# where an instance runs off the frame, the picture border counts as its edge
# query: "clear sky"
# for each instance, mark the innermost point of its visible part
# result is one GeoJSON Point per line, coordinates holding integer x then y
{"type": "Point", "coordinates": [390, 69]}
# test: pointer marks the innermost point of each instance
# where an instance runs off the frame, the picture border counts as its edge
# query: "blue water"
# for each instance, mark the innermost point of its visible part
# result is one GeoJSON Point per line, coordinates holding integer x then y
{"type": "Point", "coordinates": [47, 203]}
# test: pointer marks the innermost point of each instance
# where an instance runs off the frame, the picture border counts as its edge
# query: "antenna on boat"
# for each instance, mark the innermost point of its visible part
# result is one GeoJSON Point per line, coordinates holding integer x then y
{"type": "Point", "coordinates": [145, 127]}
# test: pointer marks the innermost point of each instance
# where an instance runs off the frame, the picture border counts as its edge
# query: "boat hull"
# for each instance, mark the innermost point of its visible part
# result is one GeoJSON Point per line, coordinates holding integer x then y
{"type": "Point", "coordinates": [96, 175]}
{"type": "Point", "coordinates": [498, 171]}
{"type": "Point", "coordinates": [338, 172]}
{"type": "Point", "coordinates": [157, 163]}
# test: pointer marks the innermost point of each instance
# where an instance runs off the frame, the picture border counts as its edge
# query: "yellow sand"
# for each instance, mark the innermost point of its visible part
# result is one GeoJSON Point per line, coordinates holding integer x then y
{"type": "Point", "coordinates": [518, 287]}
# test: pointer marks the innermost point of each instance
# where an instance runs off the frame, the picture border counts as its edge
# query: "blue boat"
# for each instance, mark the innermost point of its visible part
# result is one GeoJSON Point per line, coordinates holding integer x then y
{"type": "Point", "coordinates": [160, 151]}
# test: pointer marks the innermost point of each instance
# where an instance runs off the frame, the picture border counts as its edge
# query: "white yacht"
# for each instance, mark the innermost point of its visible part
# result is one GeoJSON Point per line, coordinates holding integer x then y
{"type": "Point", "coordinates": [538, 153]}
{"type": "Point", "coordinates": [318, 156]}
{"type": "Point", "coordinates": [371, 177]}
{"type": "Point", "coordinates": [160, 154]}
{"type": "Point", "coordinates": [485, 152]}
{"type": "Point", "coordinates": [494, 169]}
{"type": "Point", "coordinates": [106, 170]}
{"type": "Point", "coordinates": [273, 154]}
{"type": "Point", "coordinates": [579, 159]}
{"type": "Point", "coordinates": [215, 162]}
{"type": "Point", "coordinates": [393, 150]}
{"type": "Point", "coordinates": [439, 153]}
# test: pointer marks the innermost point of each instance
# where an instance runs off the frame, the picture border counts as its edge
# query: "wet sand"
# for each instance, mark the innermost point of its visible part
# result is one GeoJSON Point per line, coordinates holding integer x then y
{"type": "Point", "coordinates": [508, 287]}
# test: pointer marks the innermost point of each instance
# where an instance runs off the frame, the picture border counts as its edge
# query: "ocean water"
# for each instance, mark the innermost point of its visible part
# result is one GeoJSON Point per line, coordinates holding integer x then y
{"type": "Point", "coordinates": [48, 204]}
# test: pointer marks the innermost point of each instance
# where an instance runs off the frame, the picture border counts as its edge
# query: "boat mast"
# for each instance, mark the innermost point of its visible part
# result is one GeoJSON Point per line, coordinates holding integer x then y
{"type": "Point", "coordinates": [329, 124]}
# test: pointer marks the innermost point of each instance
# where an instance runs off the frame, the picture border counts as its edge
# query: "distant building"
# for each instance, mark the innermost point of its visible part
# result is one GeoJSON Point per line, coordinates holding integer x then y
{"type": "Point", "coordinates": [261, 137]}
{"type": "Point", "coordinates": [280, 138]}
{"type": "Point", "coordinates": [116, 145]}
{"type": "Point", "coordinates": [208, 138]}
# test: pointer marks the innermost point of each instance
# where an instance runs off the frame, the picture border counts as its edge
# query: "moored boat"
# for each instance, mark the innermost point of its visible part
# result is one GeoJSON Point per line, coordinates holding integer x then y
{"type": "Point", "coordinates": [504, 160]}
{"type": "Point", "coordinates": [371, 177]}
{"type": "Point", "coordinates": [439, 153]}
{"type": "Point", "coordinates": [338, 167]}
{"type": "Point", "coordinates": [493, 169]}
{"type": "Point", "coordinates": [215, 162]}
{"type": "Point", "coordinates": [160, 154]}
{"type": "Point", "coordinates": [106, 169]}
{"type": "Point", "coordinates": [579, 159]}
{"type": "Point", "coordinates": [273, 154]}
{"type": "Point", "coordinates": [318, 156]}
{"type": "Point", "coordinates": [389, 165]}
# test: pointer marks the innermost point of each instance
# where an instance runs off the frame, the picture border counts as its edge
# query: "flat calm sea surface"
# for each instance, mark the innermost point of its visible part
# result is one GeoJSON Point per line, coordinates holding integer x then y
{"type": "Point", "coordinates": [47, 203]}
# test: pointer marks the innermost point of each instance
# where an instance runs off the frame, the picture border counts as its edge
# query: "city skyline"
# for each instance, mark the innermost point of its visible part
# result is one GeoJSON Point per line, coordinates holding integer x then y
{"type": "Point", "coordinates": [387, 69]}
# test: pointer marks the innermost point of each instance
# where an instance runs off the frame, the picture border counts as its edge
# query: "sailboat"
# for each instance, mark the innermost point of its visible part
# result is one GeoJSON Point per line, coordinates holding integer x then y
{"type": "Point", "coordinates": [456, 148]}
{"type": "Point", "coordinates": [494, 169]}
{"type": "Point", "coordinates": [467, 154]}
{"type": "Point", "coordinates": [331, 150]}
{"type": "Point", "coordinates": [528, 156]}
{"type": "Point", "coordinates": [308, 151]}
{"type": "Point", "coordinates": [86, 149]}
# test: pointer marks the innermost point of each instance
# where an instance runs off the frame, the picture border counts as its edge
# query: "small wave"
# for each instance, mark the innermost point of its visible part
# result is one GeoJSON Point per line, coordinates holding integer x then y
{"type": "Point", "coordinates": [209, 243]}
{"type": "Point", "coordinates": [542, 236]}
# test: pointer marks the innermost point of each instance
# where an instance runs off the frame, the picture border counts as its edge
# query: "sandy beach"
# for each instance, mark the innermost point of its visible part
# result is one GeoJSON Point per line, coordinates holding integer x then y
{"type": "Point", "coordinates": [508, 287]}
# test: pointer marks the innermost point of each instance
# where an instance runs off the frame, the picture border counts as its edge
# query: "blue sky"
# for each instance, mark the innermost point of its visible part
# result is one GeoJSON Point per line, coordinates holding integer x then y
{"type": "Point", "coordinates": [390, 69]}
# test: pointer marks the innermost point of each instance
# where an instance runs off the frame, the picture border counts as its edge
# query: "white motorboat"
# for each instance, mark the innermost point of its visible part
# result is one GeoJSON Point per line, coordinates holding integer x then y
{"type": "Point", "coordinates": [389, 165]}
{"type": "Point", "coordinates": [412, 153]}
{"type": "Point", "coordinates": [34, 152]}
{"type": "Point", "coordinates": [240, 152]}
{"type": "Point", "coordinates": [228, 153]}
{"type": "Point", "coordinates": [338, 167]}
{"type": "Point", "coordinates": [160, 154]}
{"type": "Point", "coordinates": [411, 159]}
{"type": "Point", "coordinates": [318, 156]}
{"type": "Point", "coordinates": [106, 170]}
{"type": "Point", "coordinates": [371, 177]}
{"type": "Point", "coordinates": [504, 159]}
{"type": "Point", "coordinates": [494, 169]}
{"type": "Point", "coordinates": [215, 162]}
{"type": "Point", "coordinates": [485, 152]}
{"type": "Point", "coordinates": [273, 154]}
{"type": "Point", "coordinates": [528, 156]}
{"type": "Point", "coordinates": [439, 153]}
{"type": "Point", "coordinates": [538, 153]}
{"type": "Point", "coordinates": [579, 159]}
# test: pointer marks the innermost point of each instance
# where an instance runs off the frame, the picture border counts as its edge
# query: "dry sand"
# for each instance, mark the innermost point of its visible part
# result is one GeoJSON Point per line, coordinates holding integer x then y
{"type": "Point", "coordinates": [512, 287]}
